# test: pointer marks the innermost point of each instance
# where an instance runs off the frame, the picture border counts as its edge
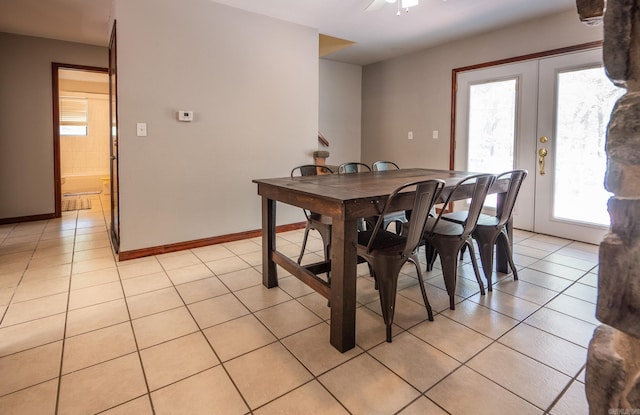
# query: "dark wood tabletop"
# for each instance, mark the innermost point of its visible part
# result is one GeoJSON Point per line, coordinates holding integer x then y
{"type": "Point", "coordinates": [322, 193]}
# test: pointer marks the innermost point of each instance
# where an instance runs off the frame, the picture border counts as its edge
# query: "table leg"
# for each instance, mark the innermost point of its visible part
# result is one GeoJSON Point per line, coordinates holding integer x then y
{"type": "Point", "coordinates": [269, 270]}
{"type": "Point", "coordinates": [343, 284]}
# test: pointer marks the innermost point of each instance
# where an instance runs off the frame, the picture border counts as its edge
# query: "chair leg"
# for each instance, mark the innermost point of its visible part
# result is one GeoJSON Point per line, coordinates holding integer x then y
{"type": "Point", "coordinates": [507, 247]}
{"type": "Point", "coordinates": [476, 270]}
{"type": "Point", "coordinates": [416, 262]}
{"type": "Point", "coordinates": [486, 239]}
{"type": "Point", "coordinates": [449, 263]}
{"type": "Point", "coordinates": [325, 234]}
{"type": "Point", "coordinates": [304, 242]}
{"type": "Point", "coordinates": [387, 278]}
{"type": "Point", "coordinates": [464, 248]}
{"type": "Point", "coordinates": [430, 254]}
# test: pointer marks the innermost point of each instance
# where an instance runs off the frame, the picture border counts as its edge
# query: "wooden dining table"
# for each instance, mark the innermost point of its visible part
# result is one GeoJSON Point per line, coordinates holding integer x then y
{"type": "Point", "coordinates": [345, 198]}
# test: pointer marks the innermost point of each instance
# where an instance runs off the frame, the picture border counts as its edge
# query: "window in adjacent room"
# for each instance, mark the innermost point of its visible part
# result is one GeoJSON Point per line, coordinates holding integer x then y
{"type": "Point", "coordinates": [73, 116]}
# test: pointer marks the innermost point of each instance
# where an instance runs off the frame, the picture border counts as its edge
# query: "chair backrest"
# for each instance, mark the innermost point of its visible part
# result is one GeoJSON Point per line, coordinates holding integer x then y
{"type": "Point", "coordinates": [481, 183]}
{"type": "Point", "coordinates": [382, 165]}
{"type": "Point", "coordinates": [426, 194]}
{"type": "Point", "coordinates": [353, 167]}
{"type": "Point", "coordinates": [310, 170]}
{"type": "Point", "coordinates": [516, 177]}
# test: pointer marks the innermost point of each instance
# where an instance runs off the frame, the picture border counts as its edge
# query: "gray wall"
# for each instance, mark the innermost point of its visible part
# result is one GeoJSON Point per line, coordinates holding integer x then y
{"type": "Point", "coordinates": [252, 83]}
{"type": "Point", "coordinates": [413, 92]}
{"type": "Point", "coordinates": [340, 117]}
{"type": "Point", "coordinates": [26, 119]}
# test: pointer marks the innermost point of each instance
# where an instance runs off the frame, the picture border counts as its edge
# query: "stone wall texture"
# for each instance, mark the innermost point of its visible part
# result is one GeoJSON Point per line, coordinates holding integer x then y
{"type": "Point", "coordinates": [590, 11]}
{"type": "Point", "coordinates": [613, 362]}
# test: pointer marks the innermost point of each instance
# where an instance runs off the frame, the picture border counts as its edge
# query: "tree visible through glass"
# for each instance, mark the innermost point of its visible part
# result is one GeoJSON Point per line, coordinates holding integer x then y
{"type": "Point", "coordinates": [584, 103]}
{"type": "Point", "coordinates": [492, 128]}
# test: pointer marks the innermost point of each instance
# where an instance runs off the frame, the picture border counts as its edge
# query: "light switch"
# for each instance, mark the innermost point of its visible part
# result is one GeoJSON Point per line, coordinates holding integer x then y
{"type": "Point", "coordinates": [435, 134]}
{"type": "Point", "coordinates": [141, 129]}
{"type": "Point", "coordinates": [410, 135]}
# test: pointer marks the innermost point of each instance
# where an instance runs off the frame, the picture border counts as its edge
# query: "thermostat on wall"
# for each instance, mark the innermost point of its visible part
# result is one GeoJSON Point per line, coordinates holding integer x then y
{"type": "Point", "coordinates": [185, 115]}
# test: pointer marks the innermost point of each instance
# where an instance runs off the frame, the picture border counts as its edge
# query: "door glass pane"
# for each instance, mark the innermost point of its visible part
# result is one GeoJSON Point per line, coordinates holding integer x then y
{"type": "Point", "coordinates": [585, 100]}
{"type": "Point", "coordinates": [492, 122]}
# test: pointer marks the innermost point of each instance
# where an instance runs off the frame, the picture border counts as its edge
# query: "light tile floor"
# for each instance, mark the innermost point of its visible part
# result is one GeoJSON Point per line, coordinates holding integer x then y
{"type": "Point", "coordinates": [195, 332]}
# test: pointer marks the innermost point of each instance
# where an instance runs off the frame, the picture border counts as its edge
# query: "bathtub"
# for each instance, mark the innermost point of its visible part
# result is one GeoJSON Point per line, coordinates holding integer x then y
{"type": "Point", "coordinates": [85, 184]}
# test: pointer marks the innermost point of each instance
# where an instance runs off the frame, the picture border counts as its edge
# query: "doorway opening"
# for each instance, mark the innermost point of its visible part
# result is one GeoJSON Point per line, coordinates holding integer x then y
{"type": "Point", "coordinates": [81, 136]}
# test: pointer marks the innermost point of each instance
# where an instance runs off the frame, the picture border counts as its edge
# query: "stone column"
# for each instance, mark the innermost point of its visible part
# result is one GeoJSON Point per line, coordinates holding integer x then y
{"type": "Point", "coordinates": [613, 361]}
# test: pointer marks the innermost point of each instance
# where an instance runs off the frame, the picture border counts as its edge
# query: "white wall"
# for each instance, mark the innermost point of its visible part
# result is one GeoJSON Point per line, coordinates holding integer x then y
{"type": "Point", "coordinates": [413, 92]}
{"type": "Point", "coordinates": [26, 119]}
{"type": "Point", "coordinates": [340, 117]}
{"type": "Point", "coordinates": [252, 83]}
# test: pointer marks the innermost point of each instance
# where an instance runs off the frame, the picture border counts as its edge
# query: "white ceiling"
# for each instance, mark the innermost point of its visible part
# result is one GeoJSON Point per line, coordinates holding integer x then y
{"type": "Point", "coordinates": [379, 34]}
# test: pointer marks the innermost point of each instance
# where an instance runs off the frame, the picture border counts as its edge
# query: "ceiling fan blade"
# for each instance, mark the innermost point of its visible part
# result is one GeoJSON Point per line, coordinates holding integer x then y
{"type": "Point", "coordinates": [375, 5]}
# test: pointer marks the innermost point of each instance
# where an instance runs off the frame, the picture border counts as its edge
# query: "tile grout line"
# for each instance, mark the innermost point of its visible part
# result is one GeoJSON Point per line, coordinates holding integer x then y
{"type": "Point", "coordinates": [135, 339]}
{"type": "Point", "coordinates": [66, 316]}
{"type": "Point", "coordinates": [565, 390]}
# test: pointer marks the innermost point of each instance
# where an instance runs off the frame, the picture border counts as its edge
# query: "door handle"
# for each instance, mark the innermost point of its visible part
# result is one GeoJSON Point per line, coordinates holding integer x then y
{"type": "Point", "coordinates": [542, 153]}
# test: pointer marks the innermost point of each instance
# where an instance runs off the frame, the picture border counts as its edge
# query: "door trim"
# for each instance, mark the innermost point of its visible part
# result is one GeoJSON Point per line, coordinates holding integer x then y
{"type": "Point", "coordinates": [537, 55]}
{"type": "Point", "coordinates": [114, 198]}
{"type": "Point", "coordinates": [57, 185]}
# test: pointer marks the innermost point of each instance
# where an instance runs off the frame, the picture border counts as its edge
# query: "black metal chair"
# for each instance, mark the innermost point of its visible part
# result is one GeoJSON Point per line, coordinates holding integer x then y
{"type": "Point", "coordinates": [387, 252]}
{"type": "Point", "coordinates": [382, 165]}
{"type": "Point", "coordinates": [445, 239]}
{"type": "Point", "coordinates": [491, 230]}
{"type": "Point", "coordinates": [397, 218]}
{"type": "Point", "coordinates": [353, 167]}
{"type": "Point", "coordinates": [356, 167]}
{"type": "Point", "coordinates": [315, 221]}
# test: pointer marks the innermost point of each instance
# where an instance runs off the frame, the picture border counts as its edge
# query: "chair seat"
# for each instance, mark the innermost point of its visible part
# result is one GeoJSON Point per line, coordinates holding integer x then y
{"type": "Point", "coordinates": [385, 242]}
{"type": "Point", "coordinates": [445, 228]}
{"type": "Point", "coordinates": [487, 220]}
{"type": "Point", "coordinates": [316, 217]}
{"type": "Point", "coordinates": [461, 215]}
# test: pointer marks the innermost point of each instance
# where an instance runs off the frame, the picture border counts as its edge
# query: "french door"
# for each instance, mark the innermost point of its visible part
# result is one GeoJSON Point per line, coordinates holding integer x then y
{"type": "Point", "coordinates": [548, 116]}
